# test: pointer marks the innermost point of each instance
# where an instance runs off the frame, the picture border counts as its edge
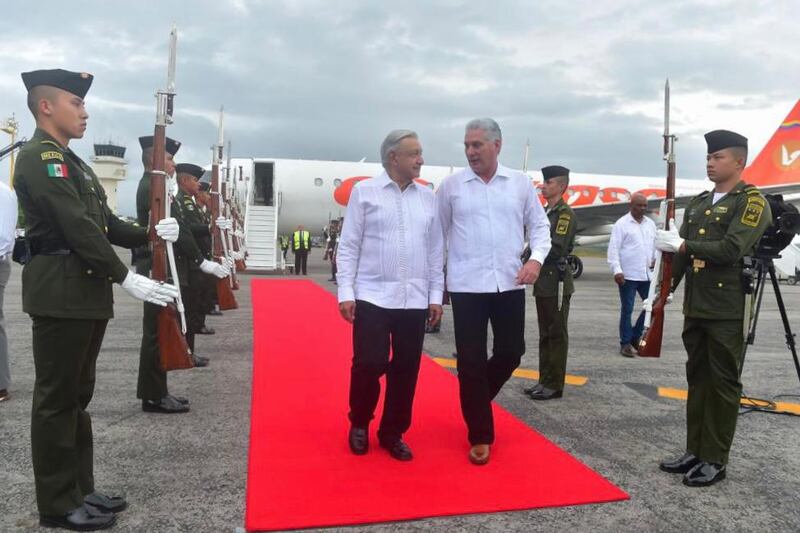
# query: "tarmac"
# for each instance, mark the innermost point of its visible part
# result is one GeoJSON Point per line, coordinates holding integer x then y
{"type": "Point", "coordinates": [188, 472]}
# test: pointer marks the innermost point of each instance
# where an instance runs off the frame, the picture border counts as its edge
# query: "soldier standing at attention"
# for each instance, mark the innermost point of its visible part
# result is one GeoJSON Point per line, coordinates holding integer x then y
{"type": "Point", "coordinates": [554, 288]}
{"type": "Point", "coordinates": [719, 228]}
{"type": "Point", "coordinates": [152, 382]}
{"type": "Point", "coordinates": [193, 290]}
{"type": "Point", "coordinates": [67, 291]}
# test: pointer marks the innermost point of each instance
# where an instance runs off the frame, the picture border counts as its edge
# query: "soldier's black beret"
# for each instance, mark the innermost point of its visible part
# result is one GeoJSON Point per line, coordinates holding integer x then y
{"type": "Point", "coordinates": [77, 83]}
{"type": "Point", "coordinates": [554, 171]}
{"type": "Point", "coordinates": [190, 168]}
{"type": "Point", "coordinates": [720, 139]}
{"type": "Point", "coordinates": [172, 145]}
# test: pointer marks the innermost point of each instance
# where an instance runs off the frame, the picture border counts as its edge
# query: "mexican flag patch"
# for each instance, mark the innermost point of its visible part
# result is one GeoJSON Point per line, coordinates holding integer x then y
{"type": "Point", "coordinates": [57, 170]}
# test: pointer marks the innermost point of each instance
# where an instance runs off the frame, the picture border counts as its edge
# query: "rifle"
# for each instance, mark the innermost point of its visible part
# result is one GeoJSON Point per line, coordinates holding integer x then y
{"type": "Point", "coordinates": [650, 345]}
{"type": "Point", "coordinates": [219, 246]}
{"type": "Point", "coordinates": [174, 353]}
{"type": "Point", "coordinates": [233, 202]}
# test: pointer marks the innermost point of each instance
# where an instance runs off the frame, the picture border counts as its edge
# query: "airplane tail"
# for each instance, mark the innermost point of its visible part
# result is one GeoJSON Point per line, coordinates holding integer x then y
{"type": "Point", "coordinates": [779, 162]}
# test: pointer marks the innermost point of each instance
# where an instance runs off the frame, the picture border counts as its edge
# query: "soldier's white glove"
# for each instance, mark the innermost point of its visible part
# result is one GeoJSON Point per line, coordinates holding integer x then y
{"type": "Point", "coordinates": [215, 269]}
{"type": "Point", "coordinates": [168, 229]}
{"type": "Point", "coordinates": [154, 292]}
{"type": "Point", "coordinates": [224, 224]}
{"type": "Point", "coordinates": [237, 256]}
{"type": "Point", "coordinates": [669, 240]}
{"type": "Point", "coordinates": [239, 234]}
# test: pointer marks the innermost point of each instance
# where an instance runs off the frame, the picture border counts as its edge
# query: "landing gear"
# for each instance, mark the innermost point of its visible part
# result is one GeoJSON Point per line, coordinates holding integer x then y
{"type": "Point", "coordinates": [576, 264]}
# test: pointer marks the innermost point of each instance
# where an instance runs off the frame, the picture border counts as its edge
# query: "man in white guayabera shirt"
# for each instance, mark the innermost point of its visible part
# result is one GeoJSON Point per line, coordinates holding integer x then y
{"type": "Point", "coordinates": [631, 255]}
{"type": "Point", "coordinates": [484, 210]}
{"type": "Point", "coordinates": [391, 280]}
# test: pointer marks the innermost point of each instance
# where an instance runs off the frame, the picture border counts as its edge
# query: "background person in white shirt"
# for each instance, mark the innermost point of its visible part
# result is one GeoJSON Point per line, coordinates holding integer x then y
{"type": "Point", "coordinates": [631, 254]}
{"type": "Point", "coordinates": [8, 225]}
{"type": "Point", "coordinates": [484, 210]}
{"type": "Point", "coordinates": [391, 280]}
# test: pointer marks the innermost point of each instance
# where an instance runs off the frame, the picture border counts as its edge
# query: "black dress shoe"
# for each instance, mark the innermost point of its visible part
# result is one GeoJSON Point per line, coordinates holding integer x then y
{"type": "Point", "coordinates": [681, 465]}
{"type": "Point", "coordinates": [106, 504]}
{"type": "Point", "coordinates": [199, 360]}
{"type": "Point", "coordinates": [531, 390]}
{"type": "Point", "coordinates": [398, 449]}
{"type": "Point", "coordinates": [206, 331]}
{"type": "Point", "coordinates": [545, 394]}
{"type": "Point", "coordinates": [82, 518]}
{"type": "Point", "coordinates": [704, 474]}
{"type": "Point", "coordinates": [179, 399]}
{"type": "Point", "coordinates": [166, 405]}
{"type": "Point", "coordinates": [358, 440]}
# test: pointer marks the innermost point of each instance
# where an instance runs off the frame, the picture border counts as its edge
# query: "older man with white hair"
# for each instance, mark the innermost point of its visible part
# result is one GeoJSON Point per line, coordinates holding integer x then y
{"type": "Point", "coordinates": [484, 210]}
{"type": "Point", "coordinates": [391, 280]}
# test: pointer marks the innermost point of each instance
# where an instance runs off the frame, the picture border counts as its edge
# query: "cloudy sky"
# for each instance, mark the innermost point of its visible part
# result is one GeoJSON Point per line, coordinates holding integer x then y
{"type": "Point", "coordinates": [318, 79]}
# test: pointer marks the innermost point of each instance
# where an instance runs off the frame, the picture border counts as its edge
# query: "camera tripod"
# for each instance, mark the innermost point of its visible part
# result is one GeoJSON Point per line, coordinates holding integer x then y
{"type": "Point", "coordinates": [761, 265]}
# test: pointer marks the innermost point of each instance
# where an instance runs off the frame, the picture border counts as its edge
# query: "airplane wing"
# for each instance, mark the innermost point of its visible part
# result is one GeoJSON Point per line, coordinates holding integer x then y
{"type": "Point", "coordinates": [593, 217]}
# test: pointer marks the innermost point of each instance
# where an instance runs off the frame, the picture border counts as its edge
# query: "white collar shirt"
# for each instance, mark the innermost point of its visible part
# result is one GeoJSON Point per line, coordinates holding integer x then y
{"type": "Point", "coordinates": [484, 225]}
{"type": "Point", "coordinates": [8, 219]}
{"type": "Point", "coordinates": [391, 252]}
{"type": "Point", "coordinates": [631, 249]}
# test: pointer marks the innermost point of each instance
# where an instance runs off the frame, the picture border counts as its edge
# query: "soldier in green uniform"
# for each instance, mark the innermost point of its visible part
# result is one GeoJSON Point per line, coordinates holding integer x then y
{"type": "Point", "coordinates": [188, 176]}
{"type": "Point", "coordinates": [719, 228]}
{"type": "Point", "coordinates": [67, 291]}
{"type": "Point", "coordinates": [554, 288]}
{"type": "Point", "coordinates": [209, 299]}
{"type": "Point", "coordinates": [152, 382]}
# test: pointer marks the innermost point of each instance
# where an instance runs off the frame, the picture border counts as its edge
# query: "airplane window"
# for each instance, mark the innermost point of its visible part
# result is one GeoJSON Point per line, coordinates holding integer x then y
{"type": "Point", "coordinates": [318, 182]}
{"type": "Point", "coordinates": [337, 182]}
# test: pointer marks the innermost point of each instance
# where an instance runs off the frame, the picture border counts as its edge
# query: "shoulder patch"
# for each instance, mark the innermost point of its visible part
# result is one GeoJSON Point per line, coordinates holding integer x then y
{"type": "Point", "coordinates": [753, 211]}
{"type": "Point", "coordinates": [51, 154]}
{"type": "Point", "coordinates": [562, 226]}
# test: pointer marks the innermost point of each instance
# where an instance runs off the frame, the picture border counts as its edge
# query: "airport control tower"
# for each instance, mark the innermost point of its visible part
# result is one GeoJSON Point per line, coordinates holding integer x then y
{"type": "Point", "coordinates": [111, 167]}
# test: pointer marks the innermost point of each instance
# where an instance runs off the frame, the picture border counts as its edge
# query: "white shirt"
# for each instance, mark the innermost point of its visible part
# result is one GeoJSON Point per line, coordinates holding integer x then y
{"type": "Point", "coordinates": [631, 249]}
{"type": "Point", "coordinates": [8, 219]}
{"type": "Point", "coordinates": [391, 250]}
{"type": "Point", "coordinates": [484, 223]}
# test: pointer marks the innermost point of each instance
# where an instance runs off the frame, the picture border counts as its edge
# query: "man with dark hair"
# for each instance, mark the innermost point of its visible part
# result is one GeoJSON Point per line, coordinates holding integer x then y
{"type": "Point", "coordinates": [554, 287]}
{"type": "Point", "coordinates": [67, 291]}
{"type": "Point", "coordinates": [719, 228]}
{"type": "Point", "coordinates": [484, 210]}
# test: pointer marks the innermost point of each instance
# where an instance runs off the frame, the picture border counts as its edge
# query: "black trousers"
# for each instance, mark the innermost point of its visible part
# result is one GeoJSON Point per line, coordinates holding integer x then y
{"type": "Point", "coordinates": [64, 354]}
{"type": "Point", "coordinates": [374, 330]}
{"type": "Point", "coordinates": [479, 377]}
{"type": "Point", "coordinates": [300, 260]}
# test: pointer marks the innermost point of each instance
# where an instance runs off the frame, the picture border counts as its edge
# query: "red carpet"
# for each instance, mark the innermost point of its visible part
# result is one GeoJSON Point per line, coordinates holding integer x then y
{"type": "Point", "coordinates": [301, 473]}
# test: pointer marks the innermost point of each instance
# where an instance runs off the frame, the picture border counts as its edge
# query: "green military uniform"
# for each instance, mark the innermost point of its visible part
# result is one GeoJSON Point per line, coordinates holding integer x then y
{"type": "Point", "coordinates": [717, 236]}
{"type": "Point", "coordinates": [67, 291]}
{"type": "Point", "coordinates": [553, 334]}
{"type": "Point", "coordinates": [195, 295]}
{"type": "Point", "coordinates": [152, 380]}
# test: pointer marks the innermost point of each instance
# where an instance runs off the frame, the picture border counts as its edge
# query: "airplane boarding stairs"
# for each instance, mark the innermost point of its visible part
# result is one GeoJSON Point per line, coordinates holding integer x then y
{"type": "Point", "coordinates": [261, 230]}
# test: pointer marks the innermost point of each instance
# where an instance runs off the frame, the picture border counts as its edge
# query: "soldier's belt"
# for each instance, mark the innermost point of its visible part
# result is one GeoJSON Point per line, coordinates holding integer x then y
{"type": "Point", "coordinates": [39, 247]}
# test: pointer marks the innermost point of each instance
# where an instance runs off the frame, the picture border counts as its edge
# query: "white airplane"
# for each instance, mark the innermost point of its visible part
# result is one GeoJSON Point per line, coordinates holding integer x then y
{"type": "Point", "coordinates": [280, 194]}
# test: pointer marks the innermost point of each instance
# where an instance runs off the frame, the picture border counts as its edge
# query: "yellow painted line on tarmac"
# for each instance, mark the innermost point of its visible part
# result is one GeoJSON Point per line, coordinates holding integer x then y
{"type": "Point", "coordinates": [680, 394]}
{"type": "Point", "coordinates": [519, 373]}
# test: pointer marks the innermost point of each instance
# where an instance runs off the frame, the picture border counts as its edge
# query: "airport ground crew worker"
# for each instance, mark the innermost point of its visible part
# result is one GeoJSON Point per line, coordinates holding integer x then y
{"type": "Point", "coordinates": [67, 291]}
{"type": "Point", "coordinates": [719, 228]}
{"type": "Point", "coordinates": [301, 246]}
{"type": "Point", "coordinates": [554, 288]}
